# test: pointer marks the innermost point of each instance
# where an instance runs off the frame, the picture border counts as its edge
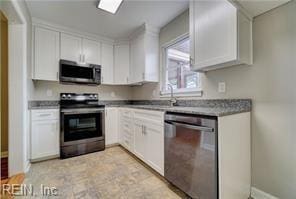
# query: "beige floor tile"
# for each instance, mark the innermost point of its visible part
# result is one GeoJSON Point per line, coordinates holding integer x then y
{"type": "Point", "coordinates": [113, 173]}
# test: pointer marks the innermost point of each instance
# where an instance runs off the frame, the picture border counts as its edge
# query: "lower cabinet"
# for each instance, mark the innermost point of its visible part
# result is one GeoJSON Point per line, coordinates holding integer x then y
{"type": "Point", "coordinates": [111, 127]}
{"type": "Point", "coordinates": [142, 133]}
{"type": "Point", "coordinates": [45, 134]}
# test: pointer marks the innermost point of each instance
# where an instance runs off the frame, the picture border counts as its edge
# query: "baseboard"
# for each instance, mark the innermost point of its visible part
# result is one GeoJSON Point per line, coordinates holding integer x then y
{"type": "Point", "coordinates": [258, 194]}
{"type": "Point", "coordinates": [4, 154]}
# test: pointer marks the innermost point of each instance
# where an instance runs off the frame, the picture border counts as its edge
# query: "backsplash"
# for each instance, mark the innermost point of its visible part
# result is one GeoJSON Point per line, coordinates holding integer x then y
{"type": "Point", "coordinates": [46, 90]}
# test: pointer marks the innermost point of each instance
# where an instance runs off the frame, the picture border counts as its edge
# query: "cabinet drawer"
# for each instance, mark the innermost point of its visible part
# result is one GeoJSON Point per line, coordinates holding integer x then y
{"type": "Point", "coordinates": [152, 117]}
{"type": "Point", "coordinates": [45, 114]}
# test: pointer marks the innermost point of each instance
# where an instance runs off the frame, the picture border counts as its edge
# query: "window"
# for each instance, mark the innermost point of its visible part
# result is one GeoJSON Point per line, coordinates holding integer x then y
{"type": "Point", "coordinates": [176, 68]}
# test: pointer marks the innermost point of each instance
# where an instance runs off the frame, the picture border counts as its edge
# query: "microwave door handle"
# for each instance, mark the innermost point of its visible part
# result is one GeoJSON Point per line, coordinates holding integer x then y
{"type": "Point", "coordinates": [190, 126]}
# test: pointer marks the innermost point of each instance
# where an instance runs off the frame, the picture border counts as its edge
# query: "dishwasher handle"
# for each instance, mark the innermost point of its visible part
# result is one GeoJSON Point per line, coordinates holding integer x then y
{"type": "Point", "coordinates": [191, 126]}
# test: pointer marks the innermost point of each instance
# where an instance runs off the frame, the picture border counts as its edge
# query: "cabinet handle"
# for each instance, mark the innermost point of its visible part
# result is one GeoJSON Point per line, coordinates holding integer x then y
{"type": "Point", "coordinates": [144, 130]}
{"type": "Point", "coordinates": [83, 58]}
{"type": "Point", "coordinates": [191, 62]}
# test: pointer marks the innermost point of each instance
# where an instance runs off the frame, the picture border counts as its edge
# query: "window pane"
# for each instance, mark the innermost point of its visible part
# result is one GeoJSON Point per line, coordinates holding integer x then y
{"type": "Point", "coordinates": [178, 68]}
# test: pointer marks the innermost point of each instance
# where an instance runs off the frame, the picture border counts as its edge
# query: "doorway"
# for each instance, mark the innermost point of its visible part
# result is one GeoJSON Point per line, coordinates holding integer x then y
{"type": "Point", "coordinates": [4, 95]}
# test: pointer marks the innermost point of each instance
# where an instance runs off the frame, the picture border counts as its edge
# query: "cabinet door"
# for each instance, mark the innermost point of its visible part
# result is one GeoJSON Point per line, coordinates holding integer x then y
{"type": "Point", "coordinates": [71, 48]}
{"type": "Point", "coordinates": [47, 54]}
{"type": "Point", "coordinates": [154, 136]}
{"type": "Point", "coordinates": [45, 138]}
{"type": "Point", "coordinates": [111, 126]}
{"type": "Point", "coordinates": [140, 140]}
{"type": "Point", "coordinates": [121, 63]}
{"type": "Point", "coordinates": [137, 60]}
{"type": "Point", "coordinates": [107, 64]}
{"type": "Point", "coordinates": [91, 51]}
{"type": "Point", "coordinates": [214, 33]}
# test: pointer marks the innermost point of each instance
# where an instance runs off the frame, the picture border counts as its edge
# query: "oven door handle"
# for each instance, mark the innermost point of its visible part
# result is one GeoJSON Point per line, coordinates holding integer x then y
{"type": "Point", "coordinates": [81, 112]}
{"type": "Point", "coordinates": [190, 126]}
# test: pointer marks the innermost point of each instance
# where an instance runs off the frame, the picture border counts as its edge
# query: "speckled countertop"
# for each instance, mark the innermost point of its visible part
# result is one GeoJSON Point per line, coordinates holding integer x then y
{"type": "Point", "coordinates": [220, 107]}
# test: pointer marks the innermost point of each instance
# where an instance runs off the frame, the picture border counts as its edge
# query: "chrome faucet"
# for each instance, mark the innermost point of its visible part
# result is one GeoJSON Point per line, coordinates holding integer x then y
{"type": "Point", "coordinates": [173, 100]}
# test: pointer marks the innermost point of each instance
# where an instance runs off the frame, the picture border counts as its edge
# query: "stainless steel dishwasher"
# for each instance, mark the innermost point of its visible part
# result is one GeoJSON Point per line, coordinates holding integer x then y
{"type": "Point", "coordinates": [191, 158]}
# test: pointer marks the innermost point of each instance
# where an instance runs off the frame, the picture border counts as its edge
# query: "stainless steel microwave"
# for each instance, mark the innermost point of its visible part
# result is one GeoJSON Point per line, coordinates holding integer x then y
{"type": "Point", "coordinates": [74, 73]}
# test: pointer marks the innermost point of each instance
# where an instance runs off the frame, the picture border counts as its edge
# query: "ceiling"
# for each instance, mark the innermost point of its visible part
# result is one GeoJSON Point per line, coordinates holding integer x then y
{"type": "Point", "coordinates": [257, 7]}
{"type": "Point", "coordinates": [84, 16]}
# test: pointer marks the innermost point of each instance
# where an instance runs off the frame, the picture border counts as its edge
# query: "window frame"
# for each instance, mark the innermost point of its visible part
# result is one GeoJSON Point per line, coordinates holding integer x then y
{"type": "Point", "coordinates": [185, 92]}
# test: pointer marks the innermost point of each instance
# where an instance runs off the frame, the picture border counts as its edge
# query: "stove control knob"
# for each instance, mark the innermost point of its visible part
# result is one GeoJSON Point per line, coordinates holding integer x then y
{"type": "Point", "coordinates": [69, 96]}
{"type": "Point", "coordinates": [63, 96]}
{"type": "Point", "coordinates": [91, 96]}
{"type": "Point", "coordinates": [95, 96]}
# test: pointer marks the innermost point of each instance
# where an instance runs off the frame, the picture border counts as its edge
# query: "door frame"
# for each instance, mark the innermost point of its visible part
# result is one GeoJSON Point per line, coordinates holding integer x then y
{"type": "Point", "coordinates": [18, 124]}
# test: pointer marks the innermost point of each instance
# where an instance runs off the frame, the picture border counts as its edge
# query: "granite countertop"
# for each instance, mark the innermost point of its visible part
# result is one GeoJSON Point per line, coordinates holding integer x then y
{"type": "Point", "coordinates": [221, 107]}
{"type": "Point", "coordinates": [216, 111]}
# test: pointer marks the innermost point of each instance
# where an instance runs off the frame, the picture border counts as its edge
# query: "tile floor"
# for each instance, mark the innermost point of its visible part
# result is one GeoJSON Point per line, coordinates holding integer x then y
{"type": "Point", "coordinates": [113, 173]}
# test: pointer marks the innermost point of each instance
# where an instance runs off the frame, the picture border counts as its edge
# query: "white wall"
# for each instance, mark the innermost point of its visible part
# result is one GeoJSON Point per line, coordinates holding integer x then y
{"type": "Point", "coordinates": [270, 83]}
{"type": "Point", "coordinates": [105, 92]}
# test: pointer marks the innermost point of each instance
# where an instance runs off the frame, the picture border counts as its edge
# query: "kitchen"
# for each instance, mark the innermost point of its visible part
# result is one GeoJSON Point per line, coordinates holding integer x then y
{"type": "Point", "coordinates": [161, 101]}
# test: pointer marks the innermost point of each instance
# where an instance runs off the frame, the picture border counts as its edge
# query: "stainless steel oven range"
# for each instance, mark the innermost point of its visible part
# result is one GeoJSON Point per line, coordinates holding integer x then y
{"type": "Point", "coordinates": [82, 124]}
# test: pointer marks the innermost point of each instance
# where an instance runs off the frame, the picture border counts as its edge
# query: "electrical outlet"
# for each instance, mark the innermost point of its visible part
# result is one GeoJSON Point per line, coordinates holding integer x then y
{"type": "Point", "coordinates": [222, 87]}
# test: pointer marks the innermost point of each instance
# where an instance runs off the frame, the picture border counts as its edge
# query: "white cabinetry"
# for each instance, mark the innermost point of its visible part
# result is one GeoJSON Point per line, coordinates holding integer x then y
{"type": "Point", "coordinates": [91, 51]}
{"type": "Point", "coordinates": [121, 63]}
{"type": "Point", "coordinates": [126, 129]}
{"type": "Point", "coordinates": [107, 64]}
{"type": "Point", "coordinates": [71, 48]}
{"type": "Point", "coordinates": [220, 35]}
{"type": "Point", "coordinates": [79, 49]}
{"type": "Point", "coordinates": [47, 54]}
{"type": "Point", "coordinates": [144, 56]}
{"type": "Point", "coordinates": [111, 126]}
{"type": "Point", "coordinates": [142, 133]}
{"type": "Point", "coordinates": [45, 134]}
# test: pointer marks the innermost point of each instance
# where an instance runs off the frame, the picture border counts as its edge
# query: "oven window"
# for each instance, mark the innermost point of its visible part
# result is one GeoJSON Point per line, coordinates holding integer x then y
{"type": "Point", "coordinates": [82, 126]}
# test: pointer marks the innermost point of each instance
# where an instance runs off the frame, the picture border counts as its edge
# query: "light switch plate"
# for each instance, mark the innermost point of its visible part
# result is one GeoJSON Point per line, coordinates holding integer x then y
{"type": "Point", "coordinates": [222, 87]}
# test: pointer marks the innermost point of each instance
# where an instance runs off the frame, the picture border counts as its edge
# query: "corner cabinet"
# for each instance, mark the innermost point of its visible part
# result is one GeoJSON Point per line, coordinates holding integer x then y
{"type": "Point", "coordinates": [220, 35]}
{"type": "Point", "coordinates": [45, 134]}
{"type": "Point", "coordinates": [121, 64]}
{"type": "Point", "coordinates": [144, 57]}
{"type": "Point", "coordinates": [46, 54]}
{"type": "Point", "coordinates": [111, 127]}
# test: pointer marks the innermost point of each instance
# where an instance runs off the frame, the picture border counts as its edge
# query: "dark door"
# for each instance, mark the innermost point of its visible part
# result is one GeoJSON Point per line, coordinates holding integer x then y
{"type": "Point", "coordinates": [82, 127]}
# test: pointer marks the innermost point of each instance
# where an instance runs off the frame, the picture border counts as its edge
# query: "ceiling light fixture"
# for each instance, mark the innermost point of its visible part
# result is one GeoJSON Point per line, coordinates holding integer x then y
{"type": "Point", "coordinates": [109, 5]}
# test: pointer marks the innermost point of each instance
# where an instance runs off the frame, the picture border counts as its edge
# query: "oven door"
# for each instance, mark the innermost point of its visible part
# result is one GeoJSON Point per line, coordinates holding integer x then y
{"type": "Point", "coordinates": [81, 126]}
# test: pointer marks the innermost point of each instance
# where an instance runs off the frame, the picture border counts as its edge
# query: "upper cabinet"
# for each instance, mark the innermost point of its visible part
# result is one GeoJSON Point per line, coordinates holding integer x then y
{"type": "Point", "coordinates": [91, 51]}
{"type": "Point", "coordinates": [144, 57]}
{"type": "Point", "coordinates": [47, 54]}
{"type": "Point", "coordinates": [121, 63]}
{"type": "Point", "coordinates": [79, 49]}
{"type": "Point", "coordinates": [71, 48]}
{"type": "Point", "coordinates": [129, 62]}
{"type": "Point", "coordinates": [220, 35]}
{"type": "Point", "coordinates": [107, 64]}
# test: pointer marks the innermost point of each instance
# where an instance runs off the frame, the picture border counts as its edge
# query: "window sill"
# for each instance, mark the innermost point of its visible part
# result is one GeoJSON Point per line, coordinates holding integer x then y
{"type": "Point", "coordinates": [197, 93]}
